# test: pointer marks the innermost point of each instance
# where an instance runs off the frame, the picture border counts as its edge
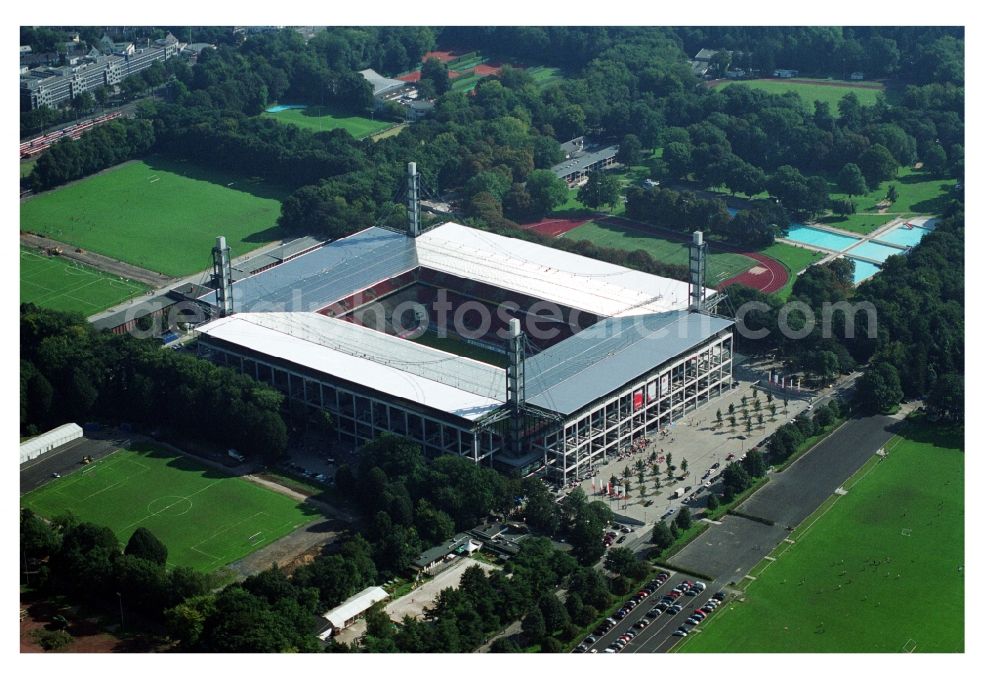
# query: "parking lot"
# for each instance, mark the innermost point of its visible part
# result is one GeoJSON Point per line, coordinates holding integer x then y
{"type": "Point", "coordinates": [66, 459]}
{"type": "Point", "coordinates": [653, 619]}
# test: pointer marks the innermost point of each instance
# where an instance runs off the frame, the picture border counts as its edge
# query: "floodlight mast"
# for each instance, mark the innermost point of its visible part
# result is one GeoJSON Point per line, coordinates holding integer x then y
{"type": "Point", "coordinates": [412, 199]}
{"type": "Point", "coordinates": [697, 271]}
{"type": "Point", "coordinates": [222, 276]}
{"type": "Point", "coordinates": [515, 382]}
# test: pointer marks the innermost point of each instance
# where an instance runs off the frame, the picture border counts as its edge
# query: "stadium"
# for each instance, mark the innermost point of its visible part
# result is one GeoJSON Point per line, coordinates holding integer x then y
{"type": "Point", "coordinates": [510, 353]}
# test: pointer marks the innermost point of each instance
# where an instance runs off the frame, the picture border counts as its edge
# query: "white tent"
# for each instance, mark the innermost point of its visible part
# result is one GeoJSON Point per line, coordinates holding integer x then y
{"type": "Point", "coordinates": [43, 443]}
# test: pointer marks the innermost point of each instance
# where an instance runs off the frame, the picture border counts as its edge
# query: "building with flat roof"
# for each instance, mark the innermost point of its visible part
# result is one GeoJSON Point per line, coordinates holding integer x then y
{"type": "Point", "coordinates": [582, 157]}
{"type": "Point", "coordinates": [608, 354]}
{"type": "Point", "coordinates": [348, 612]}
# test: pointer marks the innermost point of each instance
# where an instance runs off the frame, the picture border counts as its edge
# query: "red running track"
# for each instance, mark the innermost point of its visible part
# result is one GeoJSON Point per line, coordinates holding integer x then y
{"type": "Point", "coordinates": [770, 280]}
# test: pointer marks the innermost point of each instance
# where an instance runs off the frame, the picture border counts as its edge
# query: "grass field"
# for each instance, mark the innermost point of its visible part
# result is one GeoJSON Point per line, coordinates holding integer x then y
{"type": "Point", "coordinates": [919, 193]}
{"type": "Point", "coordinates": [794, 258]}
{"type": "Point", "coordinates": [721, 266]}
{"type": "Point", "coordinates": [158, 214]}
{"type": "Point", "coordinates": [61, 284]}
{"type": "Point", "coordinates": [810, 93]}
{"type": "Point", "coordinates": [881, 571]}
{"type": "Point", "coordinates": [462, 349]}
{"type": "Point", "coordinates": [205, 518]}
{"type": "Point", "coordinates": [321, 118]}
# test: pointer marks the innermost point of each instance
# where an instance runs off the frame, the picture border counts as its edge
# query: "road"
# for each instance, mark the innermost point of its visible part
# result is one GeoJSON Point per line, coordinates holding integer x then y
{"type": "Point", "coordinates": [728, 550]}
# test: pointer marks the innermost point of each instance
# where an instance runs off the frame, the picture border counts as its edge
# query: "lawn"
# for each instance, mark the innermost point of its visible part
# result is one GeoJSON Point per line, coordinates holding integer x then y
{"type": "Point", "coordinates": [857, 579]}
{"type": "Point", "coordinates": [794, 258]}
{"type": "Point", "coordinates": [158, 214]}
{"type": "Point", "coordinates": [61, 284]}
{"type": "Point", "coordinates": [205, 518]}
{"type": "Point", "coordinates": [461, 348]}
{"type": "Point", "coordinates": [721, 266]}
{"type": "Point", "coordinates": [919, 193]}
{"type": "Point", "coordinates": [810, 93]}
{"type": "Point", "coordinates": [321, 118]}
{"type": "Point", "coordinates": [27, 166]}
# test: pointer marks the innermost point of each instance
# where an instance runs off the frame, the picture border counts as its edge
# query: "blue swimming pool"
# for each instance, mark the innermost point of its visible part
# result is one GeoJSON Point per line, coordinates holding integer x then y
{"type": "Point", "coordinates": [875, 251]}
{"type": "Point", "coordinates": [821, 238]}
{"type": "Point", "coordinates": [863, 270]}
{"type": "Point", "coordinates": [903, 235]}
{"type": "Point", "coordinates": [278, 109]}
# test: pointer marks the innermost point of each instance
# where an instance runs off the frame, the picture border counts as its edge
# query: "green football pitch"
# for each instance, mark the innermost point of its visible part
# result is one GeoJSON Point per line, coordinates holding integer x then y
{"type": "Point", "coordinates": [61, 284]}
{"type": "Point", "coordinates": [319, 118]}
{"type": "Point", "coordinates": [880, 569]}
{"type": "Point", "coordinates": [830, 92]}
{"type": "Point", "coordinates": [205, 518]}
{"type": "Point", "coordinates": [158, 214]}
{"type": "Point", "coordinates": [721, 266]}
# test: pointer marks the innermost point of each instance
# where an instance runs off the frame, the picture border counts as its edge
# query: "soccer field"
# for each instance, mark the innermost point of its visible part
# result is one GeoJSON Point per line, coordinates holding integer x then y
{"type": "Point", "coordinates": [158, 214]}
{"type": "Point", "coordinates": [721, 266]}
{"type": "Point", "coordinates": [319, 118]}
{"type": "Point", "coordinates": [881, 571]}
{"type": "Point", "coordinates": [205, 518]}
{"type": "Point", "coordinates": [61, 284]}
{"type": "Point", "coordinates": [809, 92]}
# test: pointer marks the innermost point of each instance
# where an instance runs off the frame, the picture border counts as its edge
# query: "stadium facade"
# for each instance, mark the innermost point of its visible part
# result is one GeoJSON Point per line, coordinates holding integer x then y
{"type": "Point", "coordinates": [606, 356]}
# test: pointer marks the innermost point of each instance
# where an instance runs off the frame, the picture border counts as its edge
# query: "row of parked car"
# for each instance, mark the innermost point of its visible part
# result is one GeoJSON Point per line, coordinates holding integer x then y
{"type": "Point", "coordinates": [699, 615]}
{"type": "Point", "coordinates": [294, 468]}
{"type": "Point", "coordinates": [611, 622]}
{"type": "Point", "coordinates": [612, 537]}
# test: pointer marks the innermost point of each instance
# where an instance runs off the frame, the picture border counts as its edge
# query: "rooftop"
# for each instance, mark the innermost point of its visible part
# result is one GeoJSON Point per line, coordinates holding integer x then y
{"type": "Point", "coordinates": [584, 160]}
{"type": "Point", "coordinates": [381, 84]}
{"type": "Point", "coordinates": [355, 605]}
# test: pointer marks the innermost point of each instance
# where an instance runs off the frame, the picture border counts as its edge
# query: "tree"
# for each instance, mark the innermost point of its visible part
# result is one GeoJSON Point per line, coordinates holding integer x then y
{"type": "Point", "coordinates": [935, 159]}
{"type": "Point", "coordinates": [754, 463]}
{"type": "Point", "coordinates": [622, 561]}
{"type": "Point", "coordinates": [843, 207]}
{"type": "Point", "coordinates": [630, 150]}
{"type": "Point", "coordinates": [38, 539]}
{"type": "Point", "coordinates": [892, 194]}
{"type": "Point", "coordinates": [144, 545]}
{"type": "Point", "coordinates": [533, 625]}
{"type": "Point", "coordinates": [554, 613]}
{"type": "Point", "coordinates": [718, 416]}
{"type": "Point", "coordinates": [879, 389]}
{"type": "Point", "coordinates": [600, 189]}
{"type": "Point", "coordinates": [683, 519]}
{"type": "Point", "coordinates": [735, 479]}
{"type": "Point", "coordinates": [877, 164]}
{"type": "Point", "coordinates": [661, 536]}
{"type": "Point", "coordinates": [719, 63]}
{"type": "Point", "coordinates": [547, 190]}
{"type": "Point", "coordinates": [713, 501]}
{"type": "Point", "coordinates": [684, 465]}
{"type": "Point", "coordinates": [947, 398]}
{"type": "Point", "coordinates": [437, 73]}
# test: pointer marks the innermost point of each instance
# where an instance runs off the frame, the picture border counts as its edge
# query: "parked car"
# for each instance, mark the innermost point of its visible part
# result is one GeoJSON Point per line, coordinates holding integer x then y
{"type": "Point", "coordinates": [693, 621]}
{"type": "Point", "coordinates": [680, 632]}
{"type": "Point", "coordinates": [590, 639]}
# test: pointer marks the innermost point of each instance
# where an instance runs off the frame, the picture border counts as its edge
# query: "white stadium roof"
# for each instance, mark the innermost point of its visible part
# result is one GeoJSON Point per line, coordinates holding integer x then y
{"type": "Point", "coordinates": [400, 368]}
{"type": "Point", "coordinates": [355, 605]}
{"type": "Point", "coordinates": [546, 273]}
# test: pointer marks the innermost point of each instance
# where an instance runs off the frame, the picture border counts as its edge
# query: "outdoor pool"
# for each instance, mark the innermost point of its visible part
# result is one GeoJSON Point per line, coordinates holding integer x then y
{"type": "Point", "coordinates": [903, 236]}
{"type": "Point", "coordinates": [278, 109]}
{"type": "Point", "coordinates": [863, 270]}
{"type": "Point", "coordinates": [820, 238]}
{"type": "Point", "coordinates": [875, 251]}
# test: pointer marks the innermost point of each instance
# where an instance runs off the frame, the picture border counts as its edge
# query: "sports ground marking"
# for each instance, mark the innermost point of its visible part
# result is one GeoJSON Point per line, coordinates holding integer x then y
{"type": "Point", "coordinates": [773, 557]}
{"type": "Point", "coordinates": [160, 511]}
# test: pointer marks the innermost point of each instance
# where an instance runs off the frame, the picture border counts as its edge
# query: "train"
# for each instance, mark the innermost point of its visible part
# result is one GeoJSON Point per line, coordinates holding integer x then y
{"type": "Point", "coordinates": [40, 144]}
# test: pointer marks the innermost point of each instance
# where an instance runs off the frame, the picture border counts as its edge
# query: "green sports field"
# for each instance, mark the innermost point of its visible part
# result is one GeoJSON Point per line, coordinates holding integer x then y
{"type": "Point", "coordinates": [810, 92]}
{"type": "Point", "coordinates": [205, 518]}
{"type": "Point", "coordinates": [158, 214]}
{"type": "Point", "coordinates": [721, 266]}
{"type": "Point", "coordinates": [880, 571]}
{"type": "Point", "coordinates": [321, 118]}
{"type": "Point", "coordinates": [462, 349]}
{"type": "Point", "coordinates": [61, 284]}
{"type": "Point", "coordinates": [794, 258]}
